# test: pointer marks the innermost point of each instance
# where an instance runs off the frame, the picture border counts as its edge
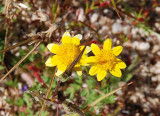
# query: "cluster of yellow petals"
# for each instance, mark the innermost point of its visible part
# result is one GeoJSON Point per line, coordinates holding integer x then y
{"type": "Point", "coordinates": [66, 53]}
{"type": "Point", "coordinates": [104, 60]}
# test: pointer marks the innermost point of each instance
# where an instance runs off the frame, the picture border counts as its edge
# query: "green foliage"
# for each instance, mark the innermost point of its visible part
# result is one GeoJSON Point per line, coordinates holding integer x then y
{"type": "Point", "coordinates": [2, 68]}
{"type": "Point", "coordinates": [1, 8]}
{"type": "Point", "coordinates": [1, 48]}
{"type": "Point", "coordinates": [18, 102]}
{"type": "Point", "coordinates": [72, 114]}
{"type": "Point", "coordinates": [26, 98]}
{"type": "Point", "coordinates": [12, 83]}
{"type": "Point", "coordinates": [9, 101]}
{"type": "Point", "coordinates": [92, 95]}
{"type": "Point", "coordinates": [31, 58]}
{"type": "Point", "coordinates": [90, 92]}
{"type": "Point", "coordinates": [72, 90]}
{"type": "Point", "coordinates": [123, 37]}
{"type": "Point", "coordinates": [44, 113]}
{"type": "Point", "coordinates": [54, 8]}
{"type": "Point", "coordinates": [128, 74]}
{"type": "Point", "coordinates": [91, 83]}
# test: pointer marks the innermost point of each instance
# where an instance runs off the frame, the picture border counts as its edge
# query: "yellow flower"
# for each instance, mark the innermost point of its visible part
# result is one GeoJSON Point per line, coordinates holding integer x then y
{"type": "Point", "coordinates": [105, 60]}
{"type": "Point", "coordinates": [66, 53]}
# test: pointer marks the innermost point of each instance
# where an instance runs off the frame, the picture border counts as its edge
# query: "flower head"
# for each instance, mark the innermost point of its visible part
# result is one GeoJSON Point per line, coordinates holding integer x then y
{"type": "Point", "coordinates": [105, 60]}
{"type": "Point", "coordinates": [66, 53]}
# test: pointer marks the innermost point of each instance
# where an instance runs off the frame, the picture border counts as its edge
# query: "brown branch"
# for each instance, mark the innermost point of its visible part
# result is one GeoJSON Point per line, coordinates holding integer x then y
{"type": "Point", "coordinates": [129, 15]}
{"type": "Point", "coordinates": [47, 93]}
{"type": "Point", "coordinates": [15, 66]}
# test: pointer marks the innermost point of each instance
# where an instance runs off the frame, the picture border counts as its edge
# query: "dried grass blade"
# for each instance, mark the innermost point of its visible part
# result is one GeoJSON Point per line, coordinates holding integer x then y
{"type": "Point", "coordinates": [114, 5]}
{"type": "Point", "coordinates": [16, 45]}
{"type": "Point", "coordinates": [103, 97]}
{"type": "Point", "coordinates": [20, 61]}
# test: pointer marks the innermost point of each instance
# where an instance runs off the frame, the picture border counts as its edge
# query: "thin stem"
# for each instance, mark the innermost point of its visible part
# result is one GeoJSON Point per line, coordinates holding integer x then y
{"type": "Point", "coordinates": [16, 45]}
{"type": "Point", "coordinates": [129, 15]}
{"type": "Point", "coordinates": [55, 91]}
{"type": "Point", "coordinates": [47, 93]}
{"type": "Point", "coordinates": [114, 5]}
{"type": "Point", "coordinates": [57, 109]}
{"type": "Point", "coordinates": [15, 66]}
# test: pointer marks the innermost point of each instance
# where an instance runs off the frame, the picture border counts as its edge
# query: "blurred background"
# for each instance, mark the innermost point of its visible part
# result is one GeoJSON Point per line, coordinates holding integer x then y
{"type": "Point", "coordinates": [134, 24]}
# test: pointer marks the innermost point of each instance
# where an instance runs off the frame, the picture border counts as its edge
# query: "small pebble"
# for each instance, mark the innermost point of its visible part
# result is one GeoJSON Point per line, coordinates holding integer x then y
{"type": "Point", "coordinates": [94, 17]}
{"type": "Point", "coordinates": [116, 28]}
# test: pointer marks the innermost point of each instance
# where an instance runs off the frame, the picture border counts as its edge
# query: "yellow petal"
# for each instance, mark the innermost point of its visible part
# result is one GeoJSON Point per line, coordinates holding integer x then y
{"type": "Point", "coordinates": [93, 70]}
{"type": "Point", "coordinates": [62, 67]}
{"type": "Point", "coordinates": [79, 36]}
{"type": "Point", "coordinates": [95, 49]}
{"type": "Point", "coordinates": [116, 72]}
{"type": "Point", "coordinates": [91, 59]}
{"type": "Point", "coordinates": [120, 64]}
{"type": "Point", "coordinates": [107, 44]}
{"type": "Point", "coordinates": [66, 34]}
{"type": "Point", "coordinates": [52, 61]}
{"type": "Point", "coordinates": [77, 65]}
{"type": "Point", "coordinates": [53, 48]}
{"type": "Point", "coordinates": [81, 47]}
{"type": "Point", "coordinates": [75, 40]}
{"type": "Point", "coordinates": [88, 49]}
{"type": "Point", "coordinates": [117, 50]}
{"type": "Point", "coordinates": [66, 38]}
{"type": "Point", "coordinates": [49, 62]}
{"type": "Point", "coordinates": [101, 74]}
{"type": "Point", "coordinates": [59, 72]}
{"type": "Point", "coordinates": [83, 61]}
{"type": "Point", "coordinates": [79, 73]}
{"type": "Point", "coordinates": [49, 46]}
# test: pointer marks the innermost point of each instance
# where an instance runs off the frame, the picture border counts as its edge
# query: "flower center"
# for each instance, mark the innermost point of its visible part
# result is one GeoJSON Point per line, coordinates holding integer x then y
{"type": "Point", "coordinates": [106, 59]}
{"type": "Point", "coordinates": [67, 53]}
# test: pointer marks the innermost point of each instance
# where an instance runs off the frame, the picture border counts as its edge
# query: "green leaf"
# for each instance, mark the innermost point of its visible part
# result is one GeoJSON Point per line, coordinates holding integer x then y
{"type": "Point", "coordinates": [75, 86]}
{"type": "Point", "coordinates": [19, 102]}
{"type": "Point", "coordinates": [22, 114]}
{"type": "Point", "coordinates": [2, 68]}
{"type": "Point", "coordinates": [26, 98]}
{"type": "Point", "coordinates": [42, 48]}
{"type": "Point", "coordinates": [44, 113]}
{"type": "Point", "coordinates": [10, 101]}
{"type": "Point", "coordinates": [71, 92]}
{"type": "Point", "coordinates": [72, 114]}
{"type": "Point", "coordinates": [90, 82]}
{"type": "Point", "coordinates": [31, 57]}
{"type": "Point", "coordinates": [1, 8]}
{"type": "Point", "coordinates": [12, 83]}
{"type": "Point", "coordinates": [84, 92]}
{"type": "Point", "coordinates": [54, 8]}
